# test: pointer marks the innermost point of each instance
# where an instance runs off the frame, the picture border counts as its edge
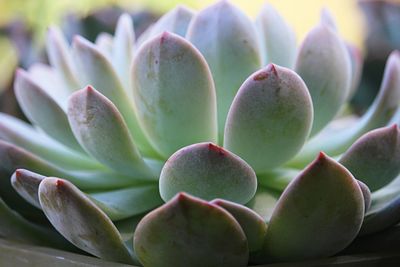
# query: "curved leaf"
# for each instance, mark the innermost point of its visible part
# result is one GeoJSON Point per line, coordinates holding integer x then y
{"type": "Point", "coordinates": [98, 72]}
{"type": "Point", "coordinates": [324, 65]}
{"type": "Point", "coordinates": [59, 54]}
{"type": "Point", "coordinates": [277, 39]}
{"type": "Point", "coordinates": [127, 202]}
{"type": "Point", "coordinates": [25, 136]}
{"type": "Point", "coordinates": [175, 21]}
{"type": "Point", "coordinates": [253, 225]}
{"type": "Point", "coordinates": [102, 131]}
{"type": "Point", "coordinates": [26, 183]}
{"type": "Point", "coordinates": [174, 94]}
{"type": "Point", "coordinates": [270, 118]}
{"type": "Point", "coordinates": [318, 214]}
{"type": "Point", "coordinates": [122, 50]}
{"type": "Point", "coordinates": [227, 39]}
{"type": "Point", "coordinates": [198, 228]}
{"type": "Point", "coordinates": [207, 171]}
{"type": "Point", "coordinates": [374, 159]}
{"type": "Point", "coordinates": [43, 111]}
{"type": "Point", "coordinates": [378, 115]}
{"type": "Point", "coordinates": [80, 221]}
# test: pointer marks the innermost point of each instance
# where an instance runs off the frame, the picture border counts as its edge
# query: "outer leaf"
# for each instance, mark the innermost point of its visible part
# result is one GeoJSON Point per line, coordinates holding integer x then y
{"type": "Point", "coordinates": [375, 158]}
{"type": "Point", "coordinates": [15, 227]}
{"type": "Point", "coordinates": [324, 64]}
{"type": "Point", "coordinates": [318, 214]}
{"type": "Point", "coordinates": [127, 202]}
{"type": "Point", "coordinates": [98, 72]}
{"type": "Point", "coordinates": [25, 136]}
{"type": "Point", "coordinates": [80, 221]}
{"type": "Point", "coordinates": [101, 130]}
{"type": "Point", "coordinates": [208, 171]}
{"type": "Point", "coordinates": [23, 255]}
{"type": "Point", "coordinates": [227, 39]}
{"type": "Point", "coordinates": [366, 194]}
{"type": "Point", "coordinates": [277, 39]}
{"type": "Point", "coordinates": [175, 21]}
{"type": "Point", "coordinates": [104, 42]}
{"type": "Point", "coordinates": [46, 78]}
{"type": "Point", "coordinates": [59, 54]}
{"type": "Point", "coordinates": [43, 111]}
{"type": "Point", "coordinates": [270, 118]}
{"type": "Point", "coordinates": [174, 94]}
{"type": "Point", "coordinates": [357, 62]}
{"type": "Point", "coordinates": [194, 226]}
{"type": "Point", "coordinates": [12, 158]}
{"type": "Point", "coordinates": [252, 224]}
{"type": "Point", "coordinates": [26, 183]}
{"type": "Point", "coordinates": [122, 52]}
{"type": "Point", "coordinates": [384, 211]}
{"type": "Point", "coordinates": [378, 115]}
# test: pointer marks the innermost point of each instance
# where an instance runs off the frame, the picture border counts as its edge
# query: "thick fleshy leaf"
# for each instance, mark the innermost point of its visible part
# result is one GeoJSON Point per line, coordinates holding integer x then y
{"type": "Point", "coordinates": [324, 65]}
{"type": "Point", "coordinates": [122, 50]}
{"type": "Point", "coordinates": [102, 131]}
{"type": "Point", "coordinates": [277, 39]}
{"type": "Point", "coordinates": [227, 39]}
{"type": "Point", "coordinates": [13, 158]}
{"type": "Point", "coordinates": [195, 227]}
{"type": "Point", "coordinates": [104, 42]}
{"type": "Point", "coordinates": [59, 54]}
{"type": "Point", "coordinates": [270, 118]}
{"type": "Point", "coordinates": [25, 136]}
{"type": "Point", "coordinates": [175, 21]}
{"type": "Point", "coordinates": [384, 211]}
{"type": "Point", "coordinates": [174, 94]}
{"type": "Point", "coordinates": [208, 171]}
{"type": "Point", "coordinates": [375, 158]}
{"type": "Point", "coordinates": [24, 255]}
{"type": "Point", "coordinates": [42, 110]}
{"type": "Point", "coordinates": [80, 221]}
{"type": "Point", "coordinates": [50, 81]}
{"type": "Point", "coordinates": [26, 183]}
{"type": "Point", "coordinates": [97, 71]}
{"type": "Point", "coordinates": [127, 202]}
{"type": "Point", "coordinates": [15, 227]}
{"type": "Point", "coordinates": [379, 114]}
{"type": "Point", "coordinates": [318, 214]}
{"type": "Point", "coordinates": [366, 194]}
{"type": "Point", "coordinates": [253, 225]}
{"type": "Point", "coordinates": [357, 62]}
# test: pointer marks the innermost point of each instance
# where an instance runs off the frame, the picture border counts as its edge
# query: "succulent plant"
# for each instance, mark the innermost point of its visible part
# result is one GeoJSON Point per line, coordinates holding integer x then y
{"type": "Point", "coordinates": [210, 113]}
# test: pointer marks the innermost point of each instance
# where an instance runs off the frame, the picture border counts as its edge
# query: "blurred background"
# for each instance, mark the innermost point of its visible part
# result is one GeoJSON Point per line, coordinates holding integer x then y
{"type": "Point", "coordinates": [372, 26]}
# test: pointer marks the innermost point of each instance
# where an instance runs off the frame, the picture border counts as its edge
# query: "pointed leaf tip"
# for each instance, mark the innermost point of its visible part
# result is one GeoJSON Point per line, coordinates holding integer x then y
{"type": "Point", "coordinates": [318, 214]}
{"type": "Point", "coordinates": [270, 118]}
{"type": "Point", "coordinates": [375, 157]}
{"type": "Point", "coordinates": [80, 221]}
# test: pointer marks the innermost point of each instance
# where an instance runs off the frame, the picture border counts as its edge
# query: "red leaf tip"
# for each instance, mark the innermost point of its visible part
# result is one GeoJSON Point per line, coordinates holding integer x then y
{"type": "Point", "coordinates": [164, 36]}
{"type": "Point", "coordinates": [321, 156]}
{"type": "Point", "coordinates": [217, 149]}
{"type": "Point", "coordinates": [59, 183]}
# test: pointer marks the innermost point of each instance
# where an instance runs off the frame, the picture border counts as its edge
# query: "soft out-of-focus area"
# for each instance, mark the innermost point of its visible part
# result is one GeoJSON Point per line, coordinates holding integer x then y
{"type": "Point", "coordinates": [373, 26]}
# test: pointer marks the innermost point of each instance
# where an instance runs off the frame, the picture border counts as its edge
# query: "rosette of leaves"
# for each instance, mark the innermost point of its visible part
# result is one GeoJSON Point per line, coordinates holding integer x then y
{"type": "Point", "coordinates": [197, 112]}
